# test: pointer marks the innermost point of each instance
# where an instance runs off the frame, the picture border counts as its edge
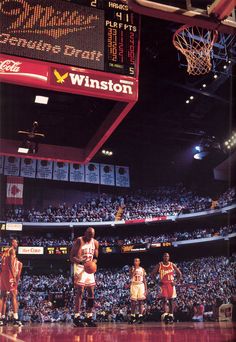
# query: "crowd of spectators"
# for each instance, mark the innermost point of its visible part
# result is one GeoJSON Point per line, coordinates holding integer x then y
{"type": "Point", "coordinates": [161, 202]}
{"type": "Point", "coordinates": [168, 237]}
{"type": "Point", "coordinates": [208, 281]}
{"type": "Point", "coordinates": [105, 241]}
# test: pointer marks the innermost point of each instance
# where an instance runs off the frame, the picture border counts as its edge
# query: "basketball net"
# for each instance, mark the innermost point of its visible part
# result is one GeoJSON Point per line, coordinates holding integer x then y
{"type": "Point", "coordinates": [196, 44]}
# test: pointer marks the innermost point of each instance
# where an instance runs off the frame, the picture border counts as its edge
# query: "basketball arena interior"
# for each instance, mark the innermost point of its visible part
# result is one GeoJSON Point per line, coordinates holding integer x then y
{"type": "Point", "coordinates": [117, 170]}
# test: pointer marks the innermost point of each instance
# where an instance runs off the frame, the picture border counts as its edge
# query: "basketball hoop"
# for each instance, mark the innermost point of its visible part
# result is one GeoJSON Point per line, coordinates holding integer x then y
{"type": "Point", "coordinates": [196, 44]}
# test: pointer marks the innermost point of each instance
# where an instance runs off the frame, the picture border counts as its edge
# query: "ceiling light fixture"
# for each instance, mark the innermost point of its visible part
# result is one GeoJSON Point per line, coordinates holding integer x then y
{"type": "Point", "coordinates": [107, 153]}
{"type": "Point", "coordinates": [41, 99]}
{"type": "Point", "coordinates": [24, 150]}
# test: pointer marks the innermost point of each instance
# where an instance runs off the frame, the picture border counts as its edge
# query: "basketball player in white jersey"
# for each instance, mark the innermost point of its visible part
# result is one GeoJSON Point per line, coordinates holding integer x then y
{"type": "Point", "coordinates": [138, 290]}
{"type": "Point", "coordinates": [85, 248]}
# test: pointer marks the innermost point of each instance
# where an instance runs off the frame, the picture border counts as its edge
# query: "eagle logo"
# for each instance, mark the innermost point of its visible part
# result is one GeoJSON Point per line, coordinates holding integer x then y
{"type": "Point", "coordinates": [60, 78]}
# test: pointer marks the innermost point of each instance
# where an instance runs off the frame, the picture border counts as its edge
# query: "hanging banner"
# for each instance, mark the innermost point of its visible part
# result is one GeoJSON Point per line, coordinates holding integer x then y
{"type": "Point", "coordinates": [12, 166]}
{"type": "Point", "coordinates": [44, 169]}
{"type": "Point", "coordinates": [28, 168]}
{"type": "Point", "coordinates": [14, 194]}
{"type": "Point", "coordinates": [77, 173]}
{"type": "Point", "coordinates": [95, 173]}
{"type": "Point", "coordinates": [107, 174]}
{"type": "Point", "coordinates": [122, 176]}
{"type": "Point", "coordinates": [1, 164]}
{"type": "Point", "coordinates": [92, 173]}
{"type": "Point", "coordinates": [60, 171]}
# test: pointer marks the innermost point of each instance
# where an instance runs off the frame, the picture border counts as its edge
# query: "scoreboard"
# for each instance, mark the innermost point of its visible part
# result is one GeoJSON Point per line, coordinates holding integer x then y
{"type": "Point", "coordinates": [95, 34]}
{"type": "Point", "coordinates": [61, 250]}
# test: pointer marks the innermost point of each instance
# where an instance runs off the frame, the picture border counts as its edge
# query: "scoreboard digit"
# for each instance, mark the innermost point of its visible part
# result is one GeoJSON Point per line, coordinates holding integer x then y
{"type": "Point", "coordinates": [121, 39]}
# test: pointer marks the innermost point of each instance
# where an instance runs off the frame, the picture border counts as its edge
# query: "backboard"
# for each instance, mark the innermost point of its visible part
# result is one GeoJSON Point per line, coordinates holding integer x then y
{"type": "Point", "coordinates": [211, 14]}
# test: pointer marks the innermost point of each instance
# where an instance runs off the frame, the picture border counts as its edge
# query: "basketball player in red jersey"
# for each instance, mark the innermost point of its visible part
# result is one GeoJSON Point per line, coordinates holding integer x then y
{"type": "Point", "coordinates": [138, 290]}
{"type": "Point", "coordinates": [9, 278]}
{"type": "Point", "coordinates": [85, 248]}
{"type": "Point", "coordinates": [167, 271]}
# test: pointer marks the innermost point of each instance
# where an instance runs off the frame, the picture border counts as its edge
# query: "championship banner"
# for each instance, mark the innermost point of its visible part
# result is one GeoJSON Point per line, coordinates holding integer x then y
{"type": "Point", "coordinates": [107, 174]}
{"type": "Point", "coordinates": [92, 173]}
{"type": "Point", "coordinates": [60, 171]}
{"type": "Point", "coordinates": [12, 166]}
{"type": "Point", "coordinates": [122, 176]}
{"type": "Point", "coordinates": [1, 164]}
{"type": "Point", "coordinates": [77, 173]}
{"type": "Point", "coordinates": [14, 194]}
{"type": "Point", "coordinates": [44, 169]}
{"type": "Point", "coordinates": [28, 168]}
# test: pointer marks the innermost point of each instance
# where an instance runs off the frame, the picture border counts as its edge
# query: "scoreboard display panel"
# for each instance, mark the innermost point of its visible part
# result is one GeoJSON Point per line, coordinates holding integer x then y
{"type": "Point", "coordinates": [61, 250]}
{"type": "Point", "coordinates": [94, 34]}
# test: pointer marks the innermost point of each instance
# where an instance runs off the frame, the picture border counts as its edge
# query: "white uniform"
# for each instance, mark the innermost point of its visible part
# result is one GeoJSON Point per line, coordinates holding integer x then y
{"type": "Point", "coordinates": [82, 278]}
{"type": "Point", "coordinates": [137, 288]}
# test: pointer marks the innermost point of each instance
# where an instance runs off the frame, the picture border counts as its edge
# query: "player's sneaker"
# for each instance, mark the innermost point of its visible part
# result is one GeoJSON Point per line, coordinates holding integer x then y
{"type": "Point", "coordinates": [132, 320]}
{"type": "Point", "coordinates": [164, 317]}
{"type": "Point", "coordinates": [170, 319]}
{"type": "Point", "coordinates": [140, 320]}
{"type": "Point", "coordinates": [90, 322]}
{"type": "Point", "coordinates": [17, 322]}
{"type": "Point", "coordinates": [78, 322]}
{"type": "Point", "coordinates": [3, 322]}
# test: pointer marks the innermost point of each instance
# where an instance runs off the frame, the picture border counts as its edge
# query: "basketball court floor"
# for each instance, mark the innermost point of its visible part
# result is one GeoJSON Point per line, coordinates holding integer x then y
{"type": "Point", "coordinates": [111, 332]}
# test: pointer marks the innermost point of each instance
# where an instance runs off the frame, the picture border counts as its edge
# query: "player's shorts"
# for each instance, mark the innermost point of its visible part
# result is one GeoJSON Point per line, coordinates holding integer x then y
{"type": "Point", "coordinates": [7, 283]}
{"type": "Point", "coordinates": [137, 292]}
{"type": "Point", "coordinates": [82, 278]}
{"type": "Point", "coordinates": [168, 291]}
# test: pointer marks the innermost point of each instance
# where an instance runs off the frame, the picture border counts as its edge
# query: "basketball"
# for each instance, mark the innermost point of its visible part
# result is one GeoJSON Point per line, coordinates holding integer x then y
{"type": "Point", "coordinates": [90, 267]}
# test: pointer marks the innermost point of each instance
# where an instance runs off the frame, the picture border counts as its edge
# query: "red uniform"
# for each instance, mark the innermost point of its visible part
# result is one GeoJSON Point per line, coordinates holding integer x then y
{"type": "Point", "coordinates": [166, 273]}
{"type": "Point", "coordinates": [7, 282]}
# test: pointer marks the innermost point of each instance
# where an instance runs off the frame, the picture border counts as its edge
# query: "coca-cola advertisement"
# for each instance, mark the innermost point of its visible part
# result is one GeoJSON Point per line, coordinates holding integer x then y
{"type": "Point", "coordinates": [15, 70]}
{"type": "Point", "coordinates": [9, 65]}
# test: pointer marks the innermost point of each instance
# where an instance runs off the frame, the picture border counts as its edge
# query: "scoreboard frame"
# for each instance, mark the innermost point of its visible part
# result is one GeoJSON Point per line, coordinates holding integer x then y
{"type": "Point", "coordinates": [74, 80]}
{"type": "Point", "coordinates": [93, 34]}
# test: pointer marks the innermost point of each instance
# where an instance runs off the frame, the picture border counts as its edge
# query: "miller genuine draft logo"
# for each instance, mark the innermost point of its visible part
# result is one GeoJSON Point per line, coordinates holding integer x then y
{"type": "Point", "coordinates": [27, 17]}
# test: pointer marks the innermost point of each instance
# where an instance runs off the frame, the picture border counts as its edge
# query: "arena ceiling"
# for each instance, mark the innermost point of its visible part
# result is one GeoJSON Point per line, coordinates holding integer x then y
{"type": "Point", "coordinates": [161, 124]}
